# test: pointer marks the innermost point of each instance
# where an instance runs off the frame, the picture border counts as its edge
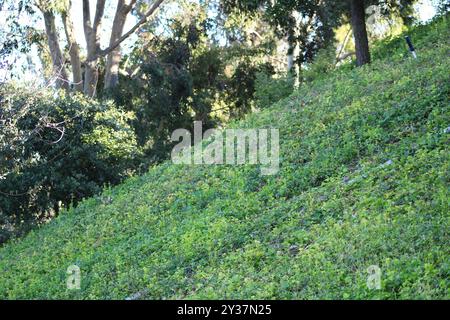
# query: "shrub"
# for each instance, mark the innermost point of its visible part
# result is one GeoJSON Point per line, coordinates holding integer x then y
{"type": "Point", "coordinates": [324, 62]}
{"type": "Point", "coordinates": [270, 90]}
{"type": "Point", "coordinates": [56, 150]}
{"type": "Point", "coordinates": [243, 85]}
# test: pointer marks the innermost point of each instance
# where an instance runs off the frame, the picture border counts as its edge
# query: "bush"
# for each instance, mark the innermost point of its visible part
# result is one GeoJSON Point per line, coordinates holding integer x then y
{"type": "Point", "coordinates": [55, 151]}
{"type": "Point", "coordinates": [324, 62]}
{"type": "Point", "coordinates": [270, 90]}
{"type": "Point", "coordinates": [242, 86]}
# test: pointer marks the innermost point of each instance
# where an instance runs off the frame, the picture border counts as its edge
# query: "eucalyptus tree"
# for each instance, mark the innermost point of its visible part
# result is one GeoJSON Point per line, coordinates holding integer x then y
{"type": "Point", "coordinates": [85, 73]}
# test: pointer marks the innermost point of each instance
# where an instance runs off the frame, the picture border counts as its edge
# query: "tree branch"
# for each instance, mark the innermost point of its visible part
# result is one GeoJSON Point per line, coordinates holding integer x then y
{"type": "Point", "coordinates": [144, 19]}
{"type": "Point", "coordinates": [87, 20]}
{"type": "Point", "coordinates": [338, 58]}
{"type": "Point", "coordinates": [74, 49]}
{"type": "Point", "coordinates": [128, 7]}
{"type": "Point", "coordinates": [100, 9]}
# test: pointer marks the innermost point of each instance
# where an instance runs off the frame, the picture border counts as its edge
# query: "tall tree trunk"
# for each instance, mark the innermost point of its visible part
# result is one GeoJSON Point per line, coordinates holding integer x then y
{"type": "Point", "coordinates": [74, 51]}
{"type": "Point", "coordinates": [291, 42]}
{"type": "Point", "coordinates": [94, 52]}
{"type": "Point", "coordinates": [91, 66]}
{"type": "Point", "coordinates": [290, 57]}
{"type": "Point", "coordinates": [92, 46]}
{"type": "Point", "coordinates": [59, 69]}
{"type": "Point", "coordinates": [113, 58]}
{"type": "Point", "coordinates": [358, 20]}
{"type": "Point", "coordinates": [90, 77]}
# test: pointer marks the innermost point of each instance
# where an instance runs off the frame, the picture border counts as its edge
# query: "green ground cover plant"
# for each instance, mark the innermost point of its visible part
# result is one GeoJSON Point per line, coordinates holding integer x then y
{"type": "Point", "coordinates": [364, 180]}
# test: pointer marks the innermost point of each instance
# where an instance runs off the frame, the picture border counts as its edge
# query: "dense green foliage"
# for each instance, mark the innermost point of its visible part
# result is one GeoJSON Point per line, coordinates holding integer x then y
{"type": "Point", "coordinates": [182, 76]}
{"type": "Point", "coordinates": [269, 90]}
{"type": "Point", "coordinates": [179, 78]}
{"type": "Point", "coordinates": [56, 150]}
{"type": "Point", "coordinates": [296, 18]}
{"type": "Point", "coordinates": [363, 181]}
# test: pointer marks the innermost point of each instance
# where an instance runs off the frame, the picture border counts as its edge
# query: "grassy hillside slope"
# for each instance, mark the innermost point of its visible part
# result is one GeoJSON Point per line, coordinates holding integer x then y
{"type": "Point", "coordinates": [364, 180]}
